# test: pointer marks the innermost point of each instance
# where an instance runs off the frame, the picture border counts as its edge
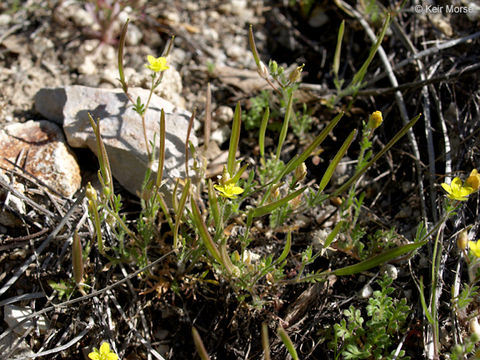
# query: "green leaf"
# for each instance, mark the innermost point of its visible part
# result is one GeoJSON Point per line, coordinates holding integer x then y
{"type": "Point", "coordinates": [378, 259]}
{"type": "Point", "coordinates": [286, 249]}
{"type": "Point", "coordinates": [234, 139]}
{"type": "Point", "coordinates": [282, 334]}
{"type": "Point", "coordinates": [297, 160]}
{"type": "Point", "coordinates": [181, 207]}
{"type": "Point", "coordinates": [334, 163]}
{"type": "Point", "coordinates": [286, 119]}
{"type": "Point", "coordinates": [203, 232]}
{"type": "Point", "coordinates": [338, 50]}
{"type": "Point", "coordinates": [387, 147]}
{"type": "Point", "coordinates": [263, 128]}
{"type": "Point", "coordinates": [267, 209]}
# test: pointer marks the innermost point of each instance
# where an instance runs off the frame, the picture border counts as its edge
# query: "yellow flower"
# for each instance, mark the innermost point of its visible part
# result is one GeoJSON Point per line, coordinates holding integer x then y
{"type": "Point", "coordinates": [375, 120]}
{"type": "Point", "coordinates": [473, 180]}
{"type": "Point", "coordinates": [475, 248]}
{"type": "Point", "coordinates": [456, 190]}
{"type": "Point", "coordinates": [229, 190]}
{"type": "Point", "coordinates": [103, 354]}
{"type": "Point", "coordinates": [157, 64]}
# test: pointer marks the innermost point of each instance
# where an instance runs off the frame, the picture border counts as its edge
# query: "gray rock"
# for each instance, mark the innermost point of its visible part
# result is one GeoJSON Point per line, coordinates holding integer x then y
{"type": "Point", "coordinates": [121, 129]}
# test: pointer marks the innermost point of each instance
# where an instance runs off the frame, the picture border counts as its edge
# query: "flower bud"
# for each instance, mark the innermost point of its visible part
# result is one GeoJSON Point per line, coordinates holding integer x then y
{"type": "Point", "coordinates": [300, 172]}
{"type": "Point", "coordinates": [462, 240]}
{"type": "Point", "coordinates": [263, 70]}
{"type": "Point", "coordinates": [375, 120]}
{"type": "Point", "coordinates": [273, 66]}
{"type": "Point", "coordinates": [473, 180]}
{"type": "Point", "coordinates": [91, 193]}
{"type": "Point", "coordinates": [296, 74]}
{"type": "Point", "coordinates": [106, 191]}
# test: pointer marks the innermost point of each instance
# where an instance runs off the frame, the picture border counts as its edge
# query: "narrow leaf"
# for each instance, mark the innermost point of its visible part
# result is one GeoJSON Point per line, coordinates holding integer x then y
{"type": "Point", "coordinates": [202, 352]}
{"type": "Point", "coordinates": [121, 46]}
{"type": "Point", "coordinates": [265, 342]}
{"type": "Point", "coordinates": [214, 208]}
{"type": "Point", "coordinates": [378, 259]}
{"type": "Point", "coordinates": [161, 147]}
{"type": "Point", "coordinates": [387, 147]}
{"type": "Point", "coordinates": [234, 139]}
{"type": "Point", "coordinates": [282, 334]}
{"type": "Point", "coordinates": [267, 209]}
{"type": "Point", "coordinates": [263, 128]}
{"type": "Point", "coordinates": [181, 207]}
{"type": "Point", "coordinates": [187, 140]}
{"type": "Point", "coordinates": [286, 249]}
{"type": "Point", "coordinates": [334, 163]}
{"type": "Point", "coordinates": [338, 49]}
{"type": "Point", "coordinates": [286, 119]}
{"type": "Point", "coordinates": [297, 160]}
{"type": "Point", "coordinates": [203, 232]}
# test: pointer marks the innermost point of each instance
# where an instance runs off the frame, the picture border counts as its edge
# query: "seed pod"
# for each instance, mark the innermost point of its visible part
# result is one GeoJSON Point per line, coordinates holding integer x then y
{"type": "Point", "coordinates": [462, 240]}
{"type": "Point", "coordinates": [77, 258]}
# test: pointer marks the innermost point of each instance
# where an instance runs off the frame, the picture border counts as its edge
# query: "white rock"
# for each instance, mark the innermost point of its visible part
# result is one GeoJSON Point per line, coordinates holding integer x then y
{"type": "Point", "coordinates": [121, 128]}
{"type": "Point", "coordinates": [88, 66]}
{"type": "Point", "coordinates": [47, 156]}
{"type": "Point", "coordinates": [223, 114]}
{"type": "Point", "coordinates": [221, 134]}
{"type": "Point", "coordinates": [391, 271]}
{"type": "Point", "coordinates": [5, 19]}
{"type": "Point", "coordinates": [14, 315]}
{"type": "Point", "coordinates": [134, 35]}
{"type": "Point", "coordinates": [366, 292]}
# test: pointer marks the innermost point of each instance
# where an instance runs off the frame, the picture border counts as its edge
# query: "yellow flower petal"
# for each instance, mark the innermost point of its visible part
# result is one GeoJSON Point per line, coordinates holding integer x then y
{"type": "Point", "coordinates": [112, 356]}
{"type": "Point", "coordinates": [94, 355]}
{"type": "Point", "coordinates": [473, 180]}
{"type": "Point", "coordinates": [157, 64]}
{"type": "Point", "coordinates": [475, 248]}
{"type": "Point", "coordinates": [104, 348]}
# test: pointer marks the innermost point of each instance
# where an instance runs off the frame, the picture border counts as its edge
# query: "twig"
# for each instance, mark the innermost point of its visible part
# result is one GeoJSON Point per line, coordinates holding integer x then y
{"type": "Point", "coordinates": [42, 247]}
{"type": "Point", "coordinates": [144, 342]}
{"type": "Point", "coordinates": [427, 117]}
{"type": "Point", "coordinates": [399, 100]}
{"type": "Point", "coordinates": [67, 345]}
{"type": "Point", "coordinates": [88, 296]}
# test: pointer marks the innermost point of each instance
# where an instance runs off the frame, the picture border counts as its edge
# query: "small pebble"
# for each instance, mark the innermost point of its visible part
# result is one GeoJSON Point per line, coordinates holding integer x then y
{"type": "Point", "coordinates": [366, 292]}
